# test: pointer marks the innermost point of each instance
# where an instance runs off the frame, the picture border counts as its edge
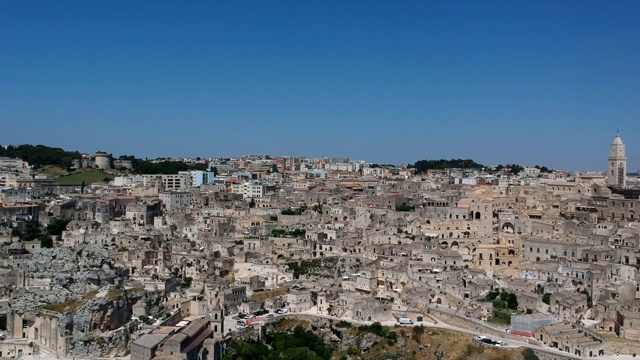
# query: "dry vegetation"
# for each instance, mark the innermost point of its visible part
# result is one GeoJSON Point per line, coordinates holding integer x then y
{"type": "Point", "coordinates": [70, 305]}
{"type": "Point", "coordinates": [62, 307]}
{"type": "Point", "coordinates": [113, 293]}
{"type": "Point", "coordinates": [454, 344]}
{"type": "Point", "coordinates": [262, 296]}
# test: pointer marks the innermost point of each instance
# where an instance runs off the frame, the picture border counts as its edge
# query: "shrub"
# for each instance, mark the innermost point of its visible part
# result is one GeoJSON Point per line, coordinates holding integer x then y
{"type": "Point", "coordinates": [343, 324]}
{"type": "Point", "coordinates": [417, 333]}
{"type": "Point", "coordinates": [529, 354]}
{"type": "Point", "coordinates": [405, 208]}
{"type": "Point", "coordinates": [499, 304]}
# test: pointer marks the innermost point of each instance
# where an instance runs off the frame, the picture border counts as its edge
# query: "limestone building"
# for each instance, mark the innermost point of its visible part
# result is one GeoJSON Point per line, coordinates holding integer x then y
{"type": "Point", "coordinates": [617, 163]}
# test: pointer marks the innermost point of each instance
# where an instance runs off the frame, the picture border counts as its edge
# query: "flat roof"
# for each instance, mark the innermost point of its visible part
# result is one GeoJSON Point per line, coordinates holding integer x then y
{"type": "Point", "coordinates": [166, 330]}
{"type": "Point", "coordinates": [150, 340]}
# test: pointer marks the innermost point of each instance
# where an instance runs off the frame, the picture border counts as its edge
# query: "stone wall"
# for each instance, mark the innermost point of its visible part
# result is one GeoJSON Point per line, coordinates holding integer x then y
{"type": "Point", "coordinates": [626, 348]}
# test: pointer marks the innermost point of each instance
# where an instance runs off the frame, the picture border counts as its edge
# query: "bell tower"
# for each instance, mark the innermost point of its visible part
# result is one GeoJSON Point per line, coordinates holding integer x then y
{"type": "Point", "coordinates": [617, 163]}
{"type": "Point", "coordinates": [216, 318]}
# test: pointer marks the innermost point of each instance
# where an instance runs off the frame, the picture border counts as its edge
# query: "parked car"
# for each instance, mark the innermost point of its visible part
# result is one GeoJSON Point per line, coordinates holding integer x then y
{"type": "Point", "coordinates": [241, 323]}
{"type": "Point", "coordinates": [270, 316]}
{"type": "Point", "coordinates": [282, 311]}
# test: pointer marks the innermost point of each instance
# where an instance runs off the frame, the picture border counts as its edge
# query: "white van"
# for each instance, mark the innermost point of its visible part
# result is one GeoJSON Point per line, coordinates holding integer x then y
{"type": "Point", "coordinates": [405, 321]}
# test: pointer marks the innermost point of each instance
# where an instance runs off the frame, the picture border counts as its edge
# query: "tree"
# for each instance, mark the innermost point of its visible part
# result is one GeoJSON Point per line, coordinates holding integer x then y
{"type": "Point", "coordinates": [512, 301]}
{"type": "Point", "coordinates": [214, 170]}
{"type": "Point", "coordinates": [82, 187]}
{"type": "Point", "coordinates": [499, 304]}
{"type": "Point", "coordinates": [46, 242]}
{"type": "Point", "coordinates": [252, 203]}
{"type": "Point", "coordinates": [56, 227]}
{"type": "Point", "coordinates": [589, 299]}
{"type": "Point", "coordinates": [424, 165]}
{"type": "Point", "coordinates": [492, 295]}
{"type": "Point", "coordinates": [187, 282]}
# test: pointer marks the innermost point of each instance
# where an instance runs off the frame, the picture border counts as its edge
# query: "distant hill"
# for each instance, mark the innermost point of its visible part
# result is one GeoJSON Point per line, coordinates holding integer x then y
{"type": "Point", "coordinates": [40, 155]}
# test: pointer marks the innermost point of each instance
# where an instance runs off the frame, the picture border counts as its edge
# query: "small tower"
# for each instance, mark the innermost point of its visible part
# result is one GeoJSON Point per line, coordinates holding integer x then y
{"type": "Point", "coordinates": [322, 302]}
{"type": "Point", "coordinates": [617, 163]}
{"type": "Point", "coordinates": [217, 321]}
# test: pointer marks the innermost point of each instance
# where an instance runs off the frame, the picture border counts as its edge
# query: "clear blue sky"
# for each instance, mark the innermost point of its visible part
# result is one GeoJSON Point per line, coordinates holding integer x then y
{"type": "Point", "coordinates": [531, 82]}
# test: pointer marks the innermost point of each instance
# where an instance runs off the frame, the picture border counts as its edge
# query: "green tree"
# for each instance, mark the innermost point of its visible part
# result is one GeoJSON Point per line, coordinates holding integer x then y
{"type": "Point", "coordinates": [82, 187]}
{"type": "Point", "coordinates": [56, 227]}
{"type": "Point", "coordinates": [589, 299]}
{"type": "Point", "coordinates": [252, 203]}
{"type": "Point", "coordinates": [422, 166]}
{"type": "Point", "coordinates": [512, 301]}
{"type": "Point", "coordinates": [492, 295]}
{"type": "Point", "coordinates": [499, 304]}
{"type": "Point", "coordinates": [187, 282]}
{"type": "Point", "coordinates": [46, 242]}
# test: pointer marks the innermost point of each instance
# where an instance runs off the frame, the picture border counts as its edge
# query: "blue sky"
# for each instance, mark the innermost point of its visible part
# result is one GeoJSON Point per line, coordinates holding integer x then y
{"type": "Point", "coordinates": [530, 82]}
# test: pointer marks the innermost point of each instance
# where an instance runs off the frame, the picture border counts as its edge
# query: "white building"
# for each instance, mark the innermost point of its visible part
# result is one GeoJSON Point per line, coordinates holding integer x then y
{"type": "Point", "coordinates": [169, 182]}
{"type": "Point", "coordinates": [370, 171]}
{"type": "Point", "coordinates": [199, 177]}
{"type": "Point", "coordinates": [127, 180]}
{"type": "Point", "coordinates": [174, 199]}
{"type": "Point", "coordinates": [248, 189]}
{"type": "Point", "coordinates": [531, 171]}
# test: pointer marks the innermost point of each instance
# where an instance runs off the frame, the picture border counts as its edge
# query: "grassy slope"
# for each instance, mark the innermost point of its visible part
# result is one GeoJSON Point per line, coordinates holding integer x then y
{"type": "Point", "coordinates": [89, 177]}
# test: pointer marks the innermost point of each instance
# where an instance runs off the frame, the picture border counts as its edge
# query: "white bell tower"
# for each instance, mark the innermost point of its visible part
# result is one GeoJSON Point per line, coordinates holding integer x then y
{"type": "Point", "coordinates": [617, 175]}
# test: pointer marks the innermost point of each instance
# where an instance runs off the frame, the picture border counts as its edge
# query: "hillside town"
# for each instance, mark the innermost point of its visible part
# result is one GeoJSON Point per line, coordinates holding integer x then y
{"type": "Point", "coordinates": [173, 266]}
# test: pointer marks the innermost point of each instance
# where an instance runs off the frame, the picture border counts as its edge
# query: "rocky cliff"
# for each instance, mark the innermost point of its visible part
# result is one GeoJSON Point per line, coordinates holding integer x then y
{"type": "Point", "coordinates": [85, 288]}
